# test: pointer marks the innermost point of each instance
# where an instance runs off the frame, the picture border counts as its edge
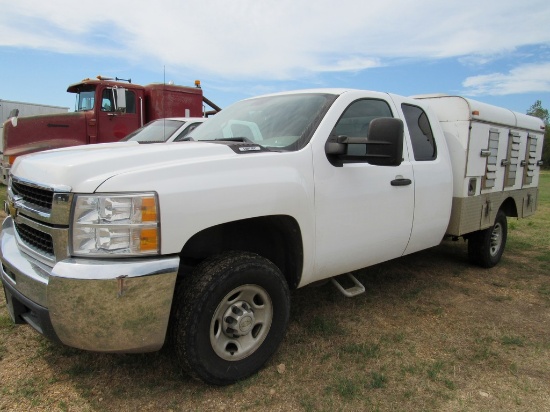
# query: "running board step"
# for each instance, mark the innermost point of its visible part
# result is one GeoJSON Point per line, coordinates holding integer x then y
{"type": "Point", "coordinates": [352, 291]}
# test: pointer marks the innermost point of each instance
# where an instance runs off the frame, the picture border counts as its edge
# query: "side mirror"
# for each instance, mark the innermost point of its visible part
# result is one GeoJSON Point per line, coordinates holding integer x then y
{"type": "Point", "coordinates": [386, 139]}
{"type": "Point", "coordinates": [120, 99]}
{"type": "Point", "coordinates": [13, 117]}
{"type": "Point", "coordinates": [383, 147]}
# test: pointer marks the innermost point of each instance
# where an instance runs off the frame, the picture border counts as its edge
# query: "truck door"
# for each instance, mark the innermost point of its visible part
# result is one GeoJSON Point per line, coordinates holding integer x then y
{"type": "Point", "coordinates": [433, 187]}
{"type": "Point", "coordinates": [364, 213]}
{"type": "Point", "coordinates": [115, 122]}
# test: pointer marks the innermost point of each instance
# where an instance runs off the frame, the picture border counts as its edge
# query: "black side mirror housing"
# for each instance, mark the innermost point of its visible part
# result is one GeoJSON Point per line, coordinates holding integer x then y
{"type": "Point", "coordinates": [384, 146]}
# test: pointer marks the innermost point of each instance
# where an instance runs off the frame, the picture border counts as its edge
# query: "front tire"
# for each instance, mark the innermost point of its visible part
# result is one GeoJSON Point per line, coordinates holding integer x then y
{"type": "Point", "coordinates": [229, 317]}
{"type": "Point", "coordinates": [485, 247]}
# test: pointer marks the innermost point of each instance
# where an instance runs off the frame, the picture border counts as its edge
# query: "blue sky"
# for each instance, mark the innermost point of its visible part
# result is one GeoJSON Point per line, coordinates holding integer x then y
{"type": "Point", "coordinates": [495, 51]}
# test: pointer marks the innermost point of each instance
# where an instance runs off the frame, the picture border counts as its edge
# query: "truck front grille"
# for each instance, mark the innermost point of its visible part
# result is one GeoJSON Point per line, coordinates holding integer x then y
{"type": "Point", "coordinates": [36, 240]}
{"type": "Point", "coordinates": [32, 194]}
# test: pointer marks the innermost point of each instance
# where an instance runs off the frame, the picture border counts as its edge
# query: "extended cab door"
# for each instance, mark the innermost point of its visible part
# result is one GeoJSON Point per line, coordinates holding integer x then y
{"type": "Point", "coordinates": [433, 179]}
{"type": "Point", "coordinates": [364, 213]}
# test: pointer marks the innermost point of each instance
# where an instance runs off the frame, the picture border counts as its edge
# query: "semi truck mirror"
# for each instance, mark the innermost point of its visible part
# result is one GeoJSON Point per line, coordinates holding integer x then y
{"type": "Point", "coordinates": [13, 117]}
{"type": "Point", "coordinates": [120, 99]}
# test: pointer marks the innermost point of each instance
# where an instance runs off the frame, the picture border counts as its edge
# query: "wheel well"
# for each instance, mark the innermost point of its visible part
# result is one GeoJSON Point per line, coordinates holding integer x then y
{"type": "Point", "coordinates": [277, 238]}
{"type": "Point", "coordinates": [509, 207]}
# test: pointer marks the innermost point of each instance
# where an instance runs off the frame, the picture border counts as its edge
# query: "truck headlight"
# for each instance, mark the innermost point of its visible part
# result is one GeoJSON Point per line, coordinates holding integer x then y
{"type": "Point", "coordinates": [125, 224]}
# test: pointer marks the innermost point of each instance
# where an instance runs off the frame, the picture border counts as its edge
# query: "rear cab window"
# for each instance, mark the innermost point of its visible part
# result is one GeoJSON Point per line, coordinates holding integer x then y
{"type": "Point", "coordinates": [420, 130]}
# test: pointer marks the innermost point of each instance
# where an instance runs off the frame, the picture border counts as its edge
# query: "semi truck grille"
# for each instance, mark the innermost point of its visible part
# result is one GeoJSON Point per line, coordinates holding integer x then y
{"type": "Point", "coordinates": [32, 194]}
{"type": "Point", "coordinates": [36, 240]}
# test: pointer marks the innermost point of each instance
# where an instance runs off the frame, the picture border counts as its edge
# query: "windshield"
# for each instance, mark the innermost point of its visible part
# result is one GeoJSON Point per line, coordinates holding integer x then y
{"type": "Point", "coordinates": [282, 122]}
{"type": "Point", "coordinates": [85, 100]}
{"type": "Point", "coordinates": [157, 131]}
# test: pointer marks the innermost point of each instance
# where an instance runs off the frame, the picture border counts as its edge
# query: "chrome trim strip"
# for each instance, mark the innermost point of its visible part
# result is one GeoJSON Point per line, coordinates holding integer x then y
{"type": "Point", "coordinates": [112, 269]}
{"type": "Point", "coordinates": [53, 188]}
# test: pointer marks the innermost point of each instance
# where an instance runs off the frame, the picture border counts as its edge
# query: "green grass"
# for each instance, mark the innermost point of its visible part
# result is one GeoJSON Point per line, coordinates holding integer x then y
{"type": "Point", "coordinates": [347, 388]}
{"type": "Point", "coordinates": [325, 326]}
{"type": "Point", "coordinates": [512, 341]}
{"type": "Point", "coordinates": [29, 388]}
{"type": "Point", "coordinates": [5, 321]}
{"type": "Point", "coordinates": [378, 380]}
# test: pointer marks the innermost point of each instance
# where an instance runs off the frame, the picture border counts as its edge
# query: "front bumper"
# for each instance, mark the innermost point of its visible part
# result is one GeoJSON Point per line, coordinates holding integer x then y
{"type": "Point", "coordinates": [105, 305]}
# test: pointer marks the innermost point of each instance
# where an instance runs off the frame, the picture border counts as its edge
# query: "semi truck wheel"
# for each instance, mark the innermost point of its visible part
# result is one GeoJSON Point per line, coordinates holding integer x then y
{"type": "Point", "coordinates": [229, 317]}
{"type": "Point", "coordinates": [485, 247]}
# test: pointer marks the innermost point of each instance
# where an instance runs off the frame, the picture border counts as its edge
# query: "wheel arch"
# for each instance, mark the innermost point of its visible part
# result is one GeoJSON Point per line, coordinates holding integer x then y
{"type": "Point", "coordinates": [509, 207]}
{"type": "Point", "coordinates": [277, 238]}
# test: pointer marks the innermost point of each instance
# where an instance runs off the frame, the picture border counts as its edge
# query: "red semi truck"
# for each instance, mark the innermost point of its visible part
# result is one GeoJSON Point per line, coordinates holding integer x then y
{"type": "Point", "coordinates": [106, 111]}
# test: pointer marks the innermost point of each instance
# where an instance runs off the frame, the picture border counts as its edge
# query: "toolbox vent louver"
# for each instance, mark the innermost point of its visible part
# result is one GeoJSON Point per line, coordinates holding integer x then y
{"type": "Point", "coordinates": [514, 141]}
{"type": "Point", "coordinates": [530, 160]}
{"type": "Point", "coordinates": [491, 168]}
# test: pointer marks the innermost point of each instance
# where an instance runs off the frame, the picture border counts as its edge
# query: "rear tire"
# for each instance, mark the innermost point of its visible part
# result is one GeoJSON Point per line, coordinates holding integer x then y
{"type": "Point", "coordinates": [229, 317]}
{"type": "Point", "coordinates": [485, 247]}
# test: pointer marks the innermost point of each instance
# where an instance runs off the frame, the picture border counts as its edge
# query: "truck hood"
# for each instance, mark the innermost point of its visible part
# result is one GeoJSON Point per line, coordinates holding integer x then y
{"type": "Point", "coordinates": [83, 168]}
{"type": "Point", "coordinates": [48, 131]}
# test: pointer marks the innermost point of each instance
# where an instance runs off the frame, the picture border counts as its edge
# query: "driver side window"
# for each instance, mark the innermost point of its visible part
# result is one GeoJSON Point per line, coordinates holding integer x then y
{"type": "Point", "coordinates": [107, 104]}
{"type": "Point", "coordinates": [356, 119]}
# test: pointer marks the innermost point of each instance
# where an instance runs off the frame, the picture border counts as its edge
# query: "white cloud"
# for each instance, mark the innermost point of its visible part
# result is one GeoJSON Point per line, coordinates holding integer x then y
{"type": "Point", "coordinates": [270, 39]}
{"type": "Point", "coordinates": [349, 64]}
{"type": "Point", "coordinates": [529, 78]}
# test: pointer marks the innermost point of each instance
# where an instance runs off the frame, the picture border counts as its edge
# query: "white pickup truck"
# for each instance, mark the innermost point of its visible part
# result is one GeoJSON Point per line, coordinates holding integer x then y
{"type": "Point", "coordinates": [121, 248]}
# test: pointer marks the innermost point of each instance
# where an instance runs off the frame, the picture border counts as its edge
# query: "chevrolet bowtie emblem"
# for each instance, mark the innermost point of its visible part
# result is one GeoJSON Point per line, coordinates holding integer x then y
{"type": "Point", "coordinates": [12, 210]}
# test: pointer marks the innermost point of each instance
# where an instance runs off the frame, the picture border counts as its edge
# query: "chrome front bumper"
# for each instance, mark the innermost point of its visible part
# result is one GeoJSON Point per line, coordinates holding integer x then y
{"type": "Point", "coordinates": [104, 305]}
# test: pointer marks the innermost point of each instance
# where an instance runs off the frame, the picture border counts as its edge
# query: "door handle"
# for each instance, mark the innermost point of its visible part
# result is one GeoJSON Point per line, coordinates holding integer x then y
{"type": "Point", "coordinates": [401, 182]}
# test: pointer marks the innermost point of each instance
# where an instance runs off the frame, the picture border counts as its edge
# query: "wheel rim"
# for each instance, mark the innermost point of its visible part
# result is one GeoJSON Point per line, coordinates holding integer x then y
{"type": "Point", "coordinates": [496, 239]}
{"type": "Point", "coordinates": [241, 322]}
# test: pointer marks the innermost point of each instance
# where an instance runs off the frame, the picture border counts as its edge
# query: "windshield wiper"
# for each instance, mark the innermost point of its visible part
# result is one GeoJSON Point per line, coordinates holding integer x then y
{"type": "Point", "coordinates": [239, 139]}
{"type": "Point", "coordinates": [242, 139]}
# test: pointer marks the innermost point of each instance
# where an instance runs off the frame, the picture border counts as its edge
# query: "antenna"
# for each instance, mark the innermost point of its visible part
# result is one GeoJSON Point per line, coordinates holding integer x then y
{"type": "Point", "coordinates": [164, 101]}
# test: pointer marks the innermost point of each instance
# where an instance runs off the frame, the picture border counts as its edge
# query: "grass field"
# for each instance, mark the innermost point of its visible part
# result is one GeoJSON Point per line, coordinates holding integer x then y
{"type": "Point", "coordinates": [430, 333]}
